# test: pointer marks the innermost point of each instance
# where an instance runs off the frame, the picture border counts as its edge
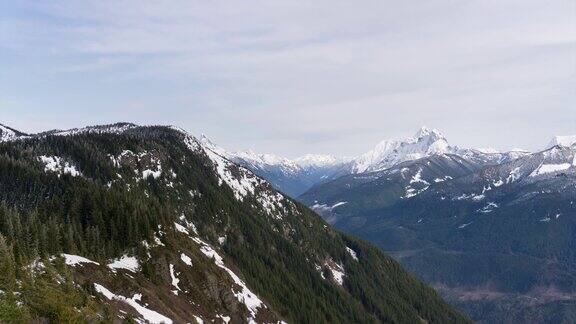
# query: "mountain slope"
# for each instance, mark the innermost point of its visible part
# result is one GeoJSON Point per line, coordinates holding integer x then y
{"type": "Point", "coordinates": [9, 134]}
{"type": "Point", "coordinates": [360, 193]}
{"type": "Point", "coordinates": [292, 177]}
{"type": "Point", "coordinates": [147, 223]}
{"type": "Point", "coordinates": [388, 153]}
{"type": "Point", "coordinates": [498, 241]}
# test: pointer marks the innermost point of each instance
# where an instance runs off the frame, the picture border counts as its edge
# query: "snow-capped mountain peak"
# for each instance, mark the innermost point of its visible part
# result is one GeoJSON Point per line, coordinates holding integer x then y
{"type": "Point", "coordinates": [425, 132]}
{"type": "Point", "coordinates": [387, 153]}
{"type": "Point", "coordinates": [320, 160]}
{"type": "Point", "coordinates": [566, 140]}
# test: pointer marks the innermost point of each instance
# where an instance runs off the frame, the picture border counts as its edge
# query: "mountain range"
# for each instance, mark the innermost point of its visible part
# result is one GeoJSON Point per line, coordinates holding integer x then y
{"type": "Point", "coordinates": [495, 237]}
{"type": "Point", "coordinates": [124, 223]}
{"type": "Point", "coordinates": [494, 232]}
{"type": "Point", "coordinates": [296, 176]}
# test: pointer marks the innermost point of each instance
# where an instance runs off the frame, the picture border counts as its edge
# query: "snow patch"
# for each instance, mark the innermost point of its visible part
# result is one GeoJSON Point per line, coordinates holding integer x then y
{"type": "Point", "coordinates": [181, 229]}
{"type": "Point", "coordinates": [58, 165]}
{"type": "Point", "coordinates": [550, 168]}
{"type": "Point", "coordinates": [240, 186]}
{"type": "Point", "coordinates": [226, 319]}
{"type": "Point", "coordinates": [74, 260]}
{"type": "Point", "coordinates": [417, 178]}
{"type": "Point", "coordinates": [125, 262]}
{"type": "Point", "coordinates": [188, 226]}
{"type": "Point", "coordinates": [497, 183]}
{"type": "Point", "coordinates": [443, 179]}
{"type": "Point", "coordinates": [471, 196]}
{"type": "Point", "coordinates": [147, 314]}
{"type": "Point", "coordinates": [198, 320]}
{"type": "Point", "coordinates": [464, 225]}
{"type": "Point", "coordinates": [514, 175]}
{"type": "Point", "coordinates": [245, 296]}
{"type": "Point", "coordinates": [151, 173]}
{"type": "Point", "coordinates": [175, 280]}
{"type": "Point", "coordinates": [337, 272]}
{"type": "Point", "coordinates": [352, 253]}
{"type": "Point", "coordinates": [488, 208]}
{"type": "Point", "coordinates": [186, 259]}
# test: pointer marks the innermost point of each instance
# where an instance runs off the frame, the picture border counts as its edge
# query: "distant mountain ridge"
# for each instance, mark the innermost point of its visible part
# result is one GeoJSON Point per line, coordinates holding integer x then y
{"type": "Point", "coordinates": [9, 134]}
{"type": "Point", "coordinates": [494, 233]}
{"type": "Point", "coordinates": [292, 177]}
{"type": "Point", "coordinates": [296, 176]}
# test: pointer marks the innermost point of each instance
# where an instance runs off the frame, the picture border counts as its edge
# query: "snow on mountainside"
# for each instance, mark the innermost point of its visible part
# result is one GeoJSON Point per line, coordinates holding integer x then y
{"type": "Point", "coordinates": [425, 143]}
{"type": "Point", "coordinates": [268, 160]}
{"type": "Point", "coordinates": [194, 238]}
{"type": "Point", "coordinates": [9, 134]}
{"type": "Point", "coordinates": [500, 218]}
{"type": "Point", "coordinates": [296, 176]}
{"type": "Point", "coordinates": [388, 153]}
{"type": "Point", "coordinates": [567, 141]}
{"type": "Point", "coordinates": [292, 177]}
{"type": "Point", "coordinates": [321, 160]}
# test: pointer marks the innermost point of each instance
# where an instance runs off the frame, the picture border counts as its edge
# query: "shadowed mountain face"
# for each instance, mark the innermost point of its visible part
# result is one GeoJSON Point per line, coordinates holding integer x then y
{"type": "Point", "coordinates": [498, 240]}
{"type": "Point", "coordinates": [122, 222]}
{"type": "Point", "coordinates": [375, 190]}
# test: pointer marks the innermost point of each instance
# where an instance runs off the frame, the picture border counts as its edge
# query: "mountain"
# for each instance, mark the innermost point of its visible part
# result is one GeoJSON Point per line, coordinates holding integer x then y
{"type": "Point", "coordinates": [149, 224]}
{"type": "Point", "coordinates": [373, 190]}
{"type": "Point", "coordinates": [497, 240]}
{"type": "Point", "coordinates": [567, 141]}
{"type": "Point", "coordinates": [388, 153]}
{"type": "Point", "coordinates": [9, 134]}
{"type": "Point", "coordinates": [296, 176]}
{"type": "Point", "coordinates": [292, 177]}
{"type": "Point", "coordinates": [425, 143]}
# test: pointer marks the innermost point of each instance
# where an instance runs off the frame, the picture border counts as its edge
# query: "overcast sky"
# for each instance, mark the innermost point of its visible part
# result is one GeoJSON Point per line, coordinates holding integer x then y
{"type": "Point", "coordinates": [293, 77]}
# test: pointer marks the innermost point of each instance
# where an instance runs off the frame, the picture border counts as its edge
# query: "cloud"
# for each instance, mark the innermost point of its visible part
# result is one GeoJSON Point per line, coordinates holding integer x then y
{"type": "Point", "coordinates": [292, 76]}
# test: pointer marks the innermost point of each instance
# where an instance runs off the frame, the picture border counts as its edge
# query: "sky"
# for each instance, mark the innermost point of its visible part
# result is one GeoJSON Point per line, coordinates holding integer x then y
{"type": "Point", "coordinates": [293, 77]}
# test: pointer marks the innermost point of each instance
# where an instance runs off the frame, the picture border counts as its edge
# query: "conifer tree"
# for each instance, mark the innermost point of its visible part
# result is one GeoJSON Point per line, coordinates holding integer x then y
{"type": "Point", "coordinates": [7, 266]}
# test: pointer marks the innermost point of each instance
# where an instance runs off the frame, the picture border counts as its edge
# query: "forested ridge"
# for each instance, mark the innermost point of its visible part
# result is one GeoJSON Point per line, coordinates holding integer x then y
{"type": "Point", "coordinates": [104, 195]}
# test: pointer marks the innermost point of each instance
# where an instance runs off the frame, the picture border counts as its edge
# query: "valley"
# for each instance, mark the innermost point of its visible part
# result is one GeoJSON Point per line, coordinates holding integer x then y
{"type": "Point", "coordinates": [493, 231]}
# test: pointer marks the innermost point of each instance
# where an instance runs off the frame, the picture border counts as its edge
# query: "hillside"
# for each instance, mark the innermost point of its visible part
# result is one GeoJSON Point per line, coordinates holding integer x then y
{"type": "Point", "coordinates": [147, 224]}
{"type": "Point", "coordinates": [497, 240]}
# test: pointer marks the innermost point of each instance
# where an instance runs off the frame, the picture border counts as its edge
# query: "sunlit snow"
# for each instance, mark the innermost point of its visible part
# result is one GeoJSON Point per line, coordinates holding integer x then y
{"type": "Point", "coordinates": [147, 314]}
{"type": "Point", "coordinates": [125, 262]}
{"type": "Point", "coordinates": [74, 260]}
{"type": "Point", "coordinates": [58, 165]}
{"type": "Point", "coordinates": [352, 253]}
{"type": "Point", "coordinates": [550, 168]}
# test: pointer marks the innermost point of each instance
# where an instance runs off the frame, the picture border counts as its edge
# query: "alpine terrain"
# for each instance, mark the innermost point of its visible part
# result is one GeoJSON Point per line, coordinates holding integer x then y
{"type": "Point", "coordinates": [293, 177]}
{"type": "Point", "coordinates": [296, 176]}
{"type": "Point", "coordinates": [123, 223]}
{"type": "Point", "coordinates": [495, 233]}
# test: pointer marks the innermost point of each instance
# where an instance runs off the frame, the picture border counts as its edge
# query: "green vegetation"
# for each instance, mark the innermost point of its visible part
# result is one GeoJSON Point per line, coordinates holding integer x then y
{"type": "Point", "coordinates": [111, 209]}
